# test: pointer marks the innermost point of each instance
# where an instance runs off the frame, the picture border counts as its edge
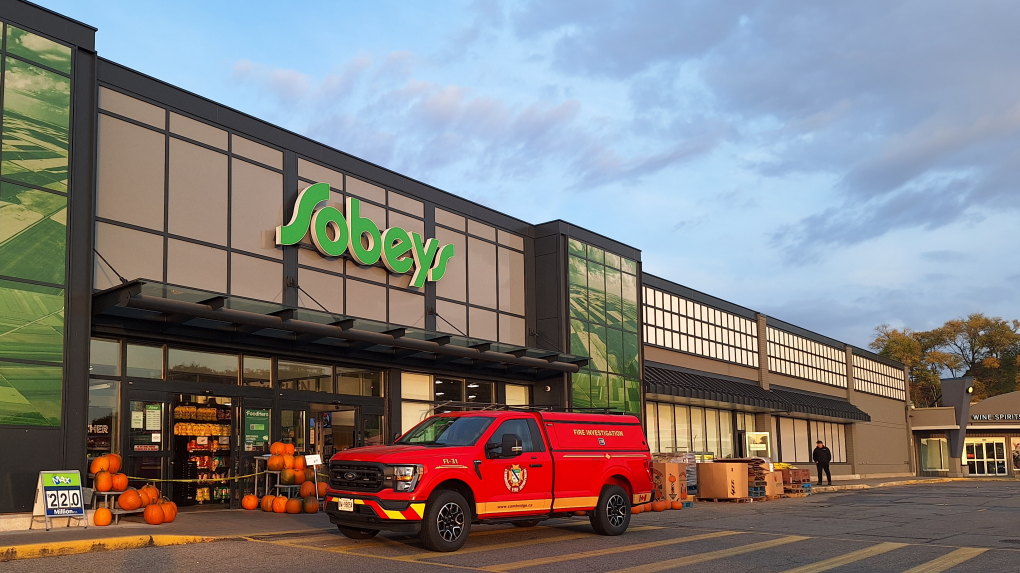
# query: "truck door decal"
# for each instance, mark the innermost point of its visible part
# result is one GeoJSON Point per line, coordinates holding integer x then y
{"type": "Point", "coordinates": [514, 477]}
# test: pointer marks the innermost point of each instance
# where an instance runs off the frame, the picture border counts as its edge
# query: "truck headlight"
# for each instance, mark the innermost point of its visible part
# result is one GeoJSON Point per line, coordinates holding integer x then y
{"type": "Point", "coordinates": [405, 478]}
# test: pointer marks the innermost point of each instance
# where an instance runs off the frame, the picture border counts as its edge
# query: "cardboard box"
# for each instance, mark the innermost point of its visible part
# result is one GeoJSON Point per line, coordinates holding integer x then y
{"type": "Point", "coordinates": [790, 475]}
{"type": "Point", "coordinates": [773, 483]}
{"type": "Point", "coordinates": [722, 480]}
{"type": "Point", "coordinates": [670, 481]}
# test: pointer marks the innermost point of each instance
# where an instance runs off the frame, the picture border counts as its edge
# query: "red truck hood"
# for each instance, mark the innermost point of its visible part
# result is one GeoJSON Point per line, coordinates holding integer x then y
{"type": "Point", "coordinates": [397, 454]}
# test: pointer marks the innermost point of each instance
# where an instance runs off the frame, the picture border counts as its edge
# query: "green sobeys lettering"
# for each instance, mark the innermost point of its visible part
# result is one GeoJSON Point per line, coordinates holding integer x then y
{"type": "Point", "coordinates": [333, 234]}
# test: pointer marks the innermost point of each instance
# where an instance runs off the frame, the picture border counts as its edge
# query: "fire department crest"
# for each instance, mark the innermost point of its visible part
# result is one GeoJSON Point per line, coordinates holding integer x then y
{"type": "Point", "coordinates": [514, 477]}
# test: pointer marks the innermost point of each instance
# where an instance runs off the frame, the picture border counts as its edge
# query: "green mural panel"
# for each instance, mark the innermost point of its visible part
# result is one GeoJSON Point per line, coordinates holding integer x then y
{"type": "Point", "coordinates": [38, 49]}
{"type": "Point", "coordinates": [581, 390]}
{"type": "Point", "coordinates": [599, 390]}
{"type": "Point", "coordinates": [613, 261]}
{"type": "Point", "coordinates": [614, 301]}
{"type": "Point", "coordinates": [628, 266]}
{"type": "Point", "coordinates": [33, 233]}
{"type": "Point", "coordinates": [617, 397]}
{"type": "Point", "coordinates": [578, 277]}
{"type": "Point", "coordinates": [596, 254]}
{"type": "Point", "coordinates": [629, 300]}
{"type": "Point", "coordinates": [36, 126]}
{"type": "Point", "coordinates": [631, 359]}
{"type": "Point", "coordinates": [615, 351]}
{"type": "Point", "coordinates": [596, 292]}
{"type": "Point", "coordinates": [597, 348]}
{"type": "Point", "coordinates": [31, 322]}
{"type": "Point", "coordinates": [30, 394]}
{"type": "Point", "coordinates": [575, 247]}
{"type": "Point", "coordinates": [578, 338]}
{"type": "Point", "coordinates": [632, 387]}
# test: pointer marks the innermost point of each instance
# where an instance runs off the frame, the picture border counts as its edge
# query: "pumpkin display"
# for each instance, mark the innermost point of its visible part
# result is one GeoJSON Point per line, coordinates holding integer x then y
{"type": "Point", "coordinates": [168, 509]}
{"type": "Point", "coordinates": [173, 507]}
{"type": "Point", "coordinates": [153, 515]}
{"type": "Point", "coordinates": [152, 491]}
{"type": "Point", "coordinates": [267, 503]}
{"type": "Point", "coordinates": [275, 463]}
{"type": "Point", "coordinates": [120, 482]}
{"type": "Point", "coordinates": [277, 448]}
{"type": "Point", "coordinates": [102, 517]}
{"type": "Point", "coordinates": [249, 502]}
{"type": "Point", "coordinates": [294, 505]}
{"type": "Point", "coordinates": [322, 489]}
{"type": "Point", "coordinates": [299, 477]}
{"type": "Point", "coordinates": [287, 477]}
{"type": "Point", "coordinates": [299, 463]}
{"type": "Point", "coordinates": [676, 505]}
{"type": "Point", "coordinates": [116, 462]}
{"type": "Point", "coordinates": [307, 489]}
{"type": "Point", "coordinates": [144, 497]}
{"type": "Point", "coordinates": [645, 507]}
{"type": "Point", "coordinates": [288, 449]}
{"type": "Point", "coordinates": [100, 464]}
{"type": "Point", "coordinates": [280, 504]}
{"type": "Point", "coordinates": [130, 500]}
{"type": "Point", "coordinates": [288, 461]}
{"type": "Point", "coordinates": [660, 505]}
{"type": "Point", "coordinates": [309, 474]}
{"type": "Point", "coordinates": [636, 509]}
{"type": "Point", "coordinates": [104, 481]}
{"type": "Point", "coordinates": [310, 504]}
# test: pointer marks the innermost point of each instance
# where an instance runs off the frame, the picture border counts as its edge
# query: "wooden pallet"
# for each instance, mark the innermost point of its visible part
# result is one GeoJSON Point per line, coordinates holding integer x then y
{"type": "Point", "coordinates": [726, 499]}
{"type": "Point", "coordinates": [796, 494]}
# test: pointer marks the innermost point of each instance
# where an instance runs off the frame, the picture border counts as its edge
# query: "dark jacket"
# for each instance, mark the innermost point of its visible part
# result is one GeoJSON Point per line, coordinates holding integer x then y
{"type": "Point", "coordinates": [822, 455]}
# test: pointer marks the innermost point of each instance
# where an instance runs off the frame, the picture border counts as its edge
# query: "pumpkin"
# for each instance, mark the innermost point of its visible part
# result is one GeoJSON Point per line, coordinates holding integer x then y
{"type": "Point", "coordinates": [153, 515]}
{"type": "Point", "coordinates": [660, 505]}
{"type": "Point", "coordinates": [277, 448]}
{"type": "Point", "coordinates": [636, 509]}
{"type": "Point", "coordinates": [676, 505]}
{"type": "Point", "coordinates": [299, 463]}
{"type": "Point", "coordinates": [104, 481]}
{"type": "Point", "coordinates": [249, 502]}
{"type": "Point", "coordinates": [275, 463]}
{"type": "Point", "coordinates": [288, 449]}
{"type": "Point", "coordinates": [102, 517]}
{"type": "Point", "coordinates": [100, 464]}
{"type": "Point", "coordinates": [288, 461]}
{"type": "Point", "coordinates": [299, 477]}
{"type": "Point", "coordinates": [310, 504]}
{"type": "Point", "coordinates": [287, 477]}
{"type": "Point", "coordinates": [267, 503]}
{"type": "Point", "coordinates": [152, 491]}
{"type": "Point", "coordinates": [646, 507]}
{"type": "Point", "coordinates": [116, 462]}
{"type": "Point", "coordinates": [130, 500]}
{"type": "Point", "coordinates": [322, 489]}
{"type": "Point", "coordinates": [294, 505]}
{"type": "Point", "coordinates": [307, 489]}
{"type": "Point", "coordinates": [280, 504]}
{"type": "Point", "coordinates": [120, 482]}
{"type": "Point", "coordinates": [144, 496]}
{"type": "Point", "coordinates": [174, 507]}
{"type": "Point", "coordinates": [168, 511]}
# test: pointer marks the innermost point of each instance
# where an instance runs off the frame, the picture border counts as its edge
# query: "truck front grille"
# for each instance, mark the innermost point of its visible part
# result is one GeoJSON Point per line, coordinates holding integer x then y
{"type": "Point", "coordinates": [348, 476]}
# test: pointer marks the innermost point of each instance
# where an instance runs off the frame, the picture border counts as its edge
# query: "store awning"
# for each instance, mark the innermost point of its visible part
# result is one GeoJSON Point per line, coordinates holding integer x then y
{"type": "Point", "coordinates": [180, 313]}
{"type": "Point", "coordinates": [686, 384]}
{"type": "Point", "coordinates": [820, 406]}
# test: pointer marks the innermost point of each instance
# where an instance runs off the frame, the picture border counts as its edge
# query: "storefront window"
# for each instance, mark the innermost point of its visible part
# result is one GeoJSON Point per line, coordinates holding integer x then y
{"type": "Point", "coordinates": [934, 454]}
{"type": "Point", "coordinates": [257, 372]}
{"type": "Point", "coordinates": [698, 430]}
{"type": "Point", "coordinates": [373, 429]}
{"type": "Point", "coordinates": [30, 394]}
{"type": "Point", "coordinates": [480, 392]}
{"type": "Point", "coordinates": [309, 377]}
{"type": "Point", "coordinates": [144, 361]}
{"type": "Point", "coordinates": [293, 428]}
{"type": "Point", "coordinates": [518, 395]}
{"type": "Point", "coordinates": [103, 418]}
{"type": "Point", "coordinates": [359, 382]}
{"type": "Point", "coordinates": [256, 429]}
{"type": "Point", "coordinates": [667, 443]}
{"type": "Point", "coordinates": [726, 434]}
{"type": "Point", "coordinates": [205, 367]}
{"type": "Point", "coordinates": [415, 386]}
{"type": "Point", "coordinates": [447, 390]}
{"type": "Point", "coordinates": [104, 357]}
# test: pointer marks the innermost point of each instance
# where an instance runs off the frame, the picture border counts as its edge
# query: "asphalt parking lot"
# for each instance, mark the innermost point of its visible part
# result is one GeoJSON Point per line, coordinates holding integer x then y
{"type": "Point", "coordinates": [956, 527]}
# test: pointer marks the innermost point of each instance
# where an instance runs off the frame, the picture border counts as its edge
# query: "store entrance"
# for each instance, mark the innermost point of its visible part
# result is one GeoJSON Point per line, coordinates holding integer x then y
{"type": "Point", "coordinates": [203, 449]}
{"type": "Point", "coordinates": [333, 428]}
{"type": "Point", "coordinates": [986, 456]}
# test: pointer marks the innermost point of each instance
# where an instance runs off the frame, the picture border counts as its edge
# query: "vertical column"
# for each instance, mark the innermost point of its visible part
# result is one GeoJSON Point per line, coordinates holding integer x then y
{"type": "Point", "coordinates": [763, 353]}
{"type": "Point", "coordinates": [394, 411]}
{"type": "Point", "coordinates": [850, 397]}
{"type": "Point", "coordinates": [430, 287]}
{"type": "Point", "coordinates": [907, 405]}
{"type": "Point", "coordinates": [290, 254]}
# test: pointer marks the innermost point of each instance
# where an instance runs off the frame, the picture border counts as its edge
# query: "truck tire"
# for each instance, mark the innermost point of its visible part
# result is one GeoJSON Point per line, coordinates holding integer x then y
{"type": "Point", "coordinates": [612, 515]}
{"type": "Point", "coordinates": [528, 523]}
{"type": "Point", "coordinates": [355, 533]}
{"type": "Point", "coordinates": [446, 523]}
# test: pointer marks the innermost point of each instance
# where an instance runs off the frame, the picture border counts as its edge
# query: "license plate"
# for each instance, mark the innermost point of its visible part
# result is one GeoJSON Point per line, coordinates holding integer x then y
{"type": "Point", "coordinates": [345, 504]}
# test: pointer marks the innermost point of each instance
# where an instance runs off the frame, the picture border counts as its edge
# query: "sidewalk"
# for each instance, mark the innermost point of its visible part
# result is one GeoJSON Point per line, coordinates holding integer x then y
{"type": "Point", "coordinates": [850, 485]}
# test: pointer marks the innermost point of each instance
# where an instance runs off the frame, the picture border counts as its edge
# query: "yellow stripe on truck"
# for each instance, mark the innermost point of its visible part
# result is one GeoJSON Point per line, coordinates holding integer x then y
{"type": "Point", "coordinates": [575, 503]}
{"type": "Point", "coordinates": [418, 508]}
{"type": "Point", "coordinates": [513, 506]}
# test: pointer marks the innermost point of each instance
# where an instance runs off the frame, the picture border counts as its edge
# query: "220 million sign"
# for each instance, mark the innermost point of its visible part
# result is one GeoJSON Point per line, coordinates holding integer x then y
{"type": "Point", "coordinates": [59, 494]}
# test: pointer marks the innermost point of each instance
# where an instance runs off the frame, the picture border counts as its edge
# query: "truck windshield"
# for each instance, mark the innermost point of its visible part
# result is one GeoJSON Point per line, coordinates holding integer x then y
{"type": "Point", "coordinates": [447, 431]}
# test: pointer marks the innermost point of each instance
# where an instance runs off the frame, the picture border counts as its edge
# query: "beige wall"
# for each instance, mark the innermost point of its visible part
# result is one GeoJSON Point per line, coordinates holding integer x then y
{"type": "Point", "coordinates": [655, 354]}
{"type": "Point", "coordinates": [806, 385]}
{"type": "Point", "coordinates": [881, 446]}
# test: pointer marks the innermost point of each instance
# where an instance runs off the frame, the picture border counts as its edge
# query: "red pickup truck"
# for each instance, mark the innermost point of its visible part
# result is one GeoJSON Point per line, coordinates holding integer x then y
{"type": "Point", "coordinates": [520, 467]}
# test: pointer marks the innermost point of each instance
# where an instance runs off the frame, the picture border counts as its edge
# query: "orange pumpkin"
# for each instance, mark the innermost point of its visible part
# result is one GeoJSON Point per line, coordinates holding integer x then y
{"type": "Point", "coordinates": [322, 489]}
{"type": "Point", "coordinates": [168, 511]}
{"type": "Point", "coordinates": [310, 504]}
{"type": "Point", "coordinates": [143, 494]}
{"type": "Point", "coordinates": [635, 509]}
{"type": "Point", "coordinates": [288, 449]}
{"type": "Point", "coordinates": [287, 477]}
{"type": "Point", "coordinates": [288, 461]}
{"type": "Point", "coordinates": [645, 507]}
{"type": "Point", "coordinates": [102, 517]}
{"type": "Point", "coordinates": [153, 515]}
{"type": "Point", "coordinates": [294, 505]}
{"type": "Point", "coordinates": [676, 505]}
{"type": "Point", "coordinates": [267, 503]}
{"type": "Point", "coordinates": [120, 482]}
{"type": "Point", "coordinates": [152, 491]}
{"type": "Point", "coordinates": [309, 474]}
{"type": "Point", "coordinates": [104, 481]}
{"type": "Point", "coordinates": [130, 500]}
{"type": "Point", "coordinates": [299, 477]}
{"type": "Point", "coordinates": [660, 505]}
{"type": "Point", "coordinates": [299, 463]}
{"type": "Point", "coordinates": [249, 502]}
{"type": "Point", "coordinates": [277, 448]}
{"type": "Point", "coordinates": [174, 507]}
{"type": "Point", "coordinates": [275, 463]}
{"type": "Point", "coordinates": [280, 504]}
{"type": "Point", "coordinates": [116, 462]}
{"type": "Point", "coordinates": [307, 489]}
{"type": "Point", "coordinates": [100, 464]}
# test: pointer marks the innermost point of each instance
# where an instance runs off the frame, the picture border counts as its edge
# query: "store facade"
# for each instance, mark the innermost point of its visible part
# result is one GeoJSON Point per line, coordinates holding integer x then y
{"type": "Point", "coordinates": [184, 284]}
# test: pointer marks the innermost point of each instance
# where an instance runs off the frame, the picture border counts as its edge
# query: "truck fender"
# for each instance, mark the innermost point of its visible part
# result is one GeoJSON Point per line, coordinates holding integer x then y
{"type": "Point", "coordinates": [460, 487]}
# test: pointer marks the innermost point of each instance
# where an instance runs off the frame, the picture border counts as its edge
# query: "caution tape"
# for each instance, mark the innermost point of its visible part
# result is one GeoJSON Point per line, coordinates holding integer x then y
{"type": "Point", "coordinates": [202, 480]}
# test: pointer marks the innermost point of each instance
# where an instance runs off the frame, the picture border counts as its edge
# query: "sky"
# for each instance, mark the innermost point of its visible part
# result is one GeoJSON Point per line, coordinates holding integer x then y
{"type": "Point", "coordinates": [835, 165]}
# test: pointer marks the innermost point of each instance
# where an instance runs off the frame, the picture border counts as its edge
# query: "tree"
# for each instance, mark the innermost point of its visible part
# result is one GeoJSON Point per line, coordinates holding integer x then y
{"type": "Point", "coordinates": [920, 353]}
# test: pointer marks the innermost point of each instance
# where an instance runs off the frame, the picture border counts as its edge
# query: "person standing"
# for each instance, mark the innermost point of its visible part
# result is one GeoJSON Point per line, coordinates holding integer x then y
{"type": "Point", "coordinates": [822, 456]}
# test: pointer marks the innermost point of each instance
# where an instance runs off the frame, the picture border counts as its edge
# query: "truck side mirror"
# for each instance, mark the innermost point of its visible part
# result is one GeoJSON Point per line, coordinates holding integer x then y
{"type": "Point", "coordinates": [511, 446]}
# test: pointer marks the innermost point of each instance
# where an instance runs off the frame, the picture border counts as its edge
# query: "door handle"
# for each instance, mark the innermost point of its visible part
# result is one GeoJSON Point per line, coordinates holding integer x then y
{"type": "Point", "coordinates": [535, 465]}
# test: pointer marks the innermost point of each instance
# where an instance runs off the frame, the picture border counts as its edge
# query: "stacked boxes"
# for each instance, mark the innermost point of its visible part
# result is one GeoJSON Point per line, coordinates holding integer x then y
{"type": "Point", "coordinates": [670, 481]}
{"type": "Point", "coordinates": [722, 480]}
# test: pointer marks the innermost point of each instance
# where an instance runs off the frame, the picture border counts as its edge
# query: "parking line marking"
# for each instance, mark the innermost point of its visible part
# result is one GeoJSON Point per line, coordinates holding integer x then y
{"type": "Point", "coordinates": [846, 559]}
{"type": "Point", "coordinates": [948, 560]}
{"type": "Point", "coordinates": [512, 544]}
{"type": "Point", "coordinates": [711, 555]}
{"type": "Point", "coordinates": [600, 552]}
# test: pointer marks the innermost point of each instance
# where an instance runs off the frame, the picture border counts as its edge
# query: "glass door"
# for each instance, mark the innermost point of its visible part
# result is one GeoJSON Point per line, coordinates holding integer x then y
{"type": "Point", "coordinates": [148, 452]}
{"type": "Point", "coordinates": [986, 456]}
{"type": "Point", "coordinates": [202, 449]}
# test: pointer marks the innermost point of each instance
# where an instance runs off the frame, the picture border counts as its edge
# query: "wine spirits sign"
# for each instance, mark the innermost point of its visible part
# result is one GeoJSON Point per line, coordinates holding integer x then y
{"type": "Point", "coordinates": [335, 234]}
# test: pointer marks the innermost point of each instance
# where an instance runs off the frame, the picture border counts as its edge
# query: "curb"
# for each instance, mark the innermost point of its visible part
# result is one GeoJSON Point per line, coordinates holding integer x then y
{"type": "Point", "coordinates": [36, 550]}
{"type": "Point", "coordinates": [838, 488]}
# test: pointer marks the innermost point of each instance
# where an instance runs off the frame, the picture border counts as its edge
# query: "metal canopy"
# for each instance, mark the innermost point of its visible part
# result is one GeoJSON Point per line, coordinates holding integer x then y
{"type": "Point", "coordinates": [147, 306]}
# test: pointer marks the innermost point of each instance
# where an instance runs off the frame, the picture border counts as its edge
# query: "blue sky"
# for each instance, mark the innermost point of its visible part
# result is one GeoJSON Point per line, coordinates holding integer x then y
{"type": "Point", "coordinates": [835, 166]}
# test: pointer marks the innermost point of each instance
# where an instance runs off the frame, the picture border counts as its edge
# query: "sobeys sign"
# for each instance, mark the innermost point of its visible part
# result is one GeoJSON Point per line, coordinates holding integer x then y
{"type": "Point", "coordinates": [333, 235]}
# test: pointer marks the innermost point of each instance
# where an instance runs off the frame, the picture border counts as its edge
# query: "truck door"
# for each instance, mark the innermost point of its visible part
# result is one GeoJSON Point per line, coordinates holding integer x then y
{"type": "Point", "coordinates": [516, 483]}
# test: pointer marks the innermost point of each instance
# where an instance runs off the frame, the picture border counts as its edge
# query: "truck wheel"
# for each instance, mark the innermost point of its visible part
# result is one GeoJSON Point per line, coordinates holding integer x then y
{"type": "Point", "coordinates": [612, 514]}
{"type": "Point", "coordinates": [354, 533]}
{"type": "Point", "coordinates": [446, 523]}
{"type": "Point", "coordinates": [529, 523]}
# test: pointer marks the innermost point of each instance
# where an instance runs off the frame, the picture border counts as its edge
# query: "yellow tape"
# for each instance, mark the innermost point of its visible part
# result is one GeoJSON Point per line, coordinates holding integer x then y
{"type": "Point", "coordinates": [228, 478]}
